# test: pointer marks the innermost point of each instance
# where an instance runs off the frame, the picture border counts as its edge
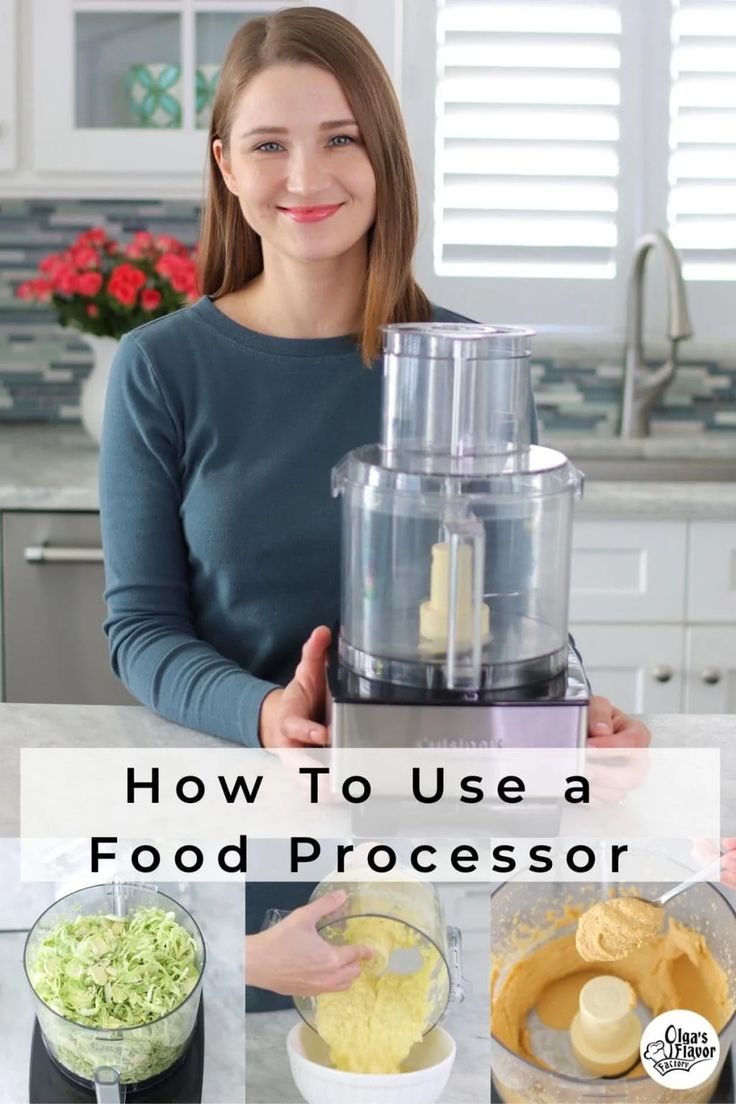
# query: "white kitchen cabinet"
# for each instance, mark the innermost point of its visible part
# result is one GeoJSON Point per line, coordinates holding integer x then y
{"type": "Point", "coordinates": [628, 571]}
{"type": "Point", "coordinates": [8, 105]}
{"type": "Point", "coordinates": [710, 685]}
{"type": "Point", "coordinates": [711, 577]}
{"type": "Point", "coordinates": [638, 667]}
{"type": "Point", "coordinates": [80, 122]}
{"type": "Point", "coordinates": [653, 610]}
{"type": "Point", "coordinates": [115, 84]}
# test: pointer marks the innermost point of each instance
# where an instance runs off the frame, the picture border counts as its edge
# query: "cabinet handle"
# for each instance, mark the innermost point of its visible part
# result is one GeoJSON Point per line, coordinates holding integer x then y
{"type": "Point", "coordinates": [663, 673]}
{"type": "Point", "coordinates": [46, 553]}
{"type": "Point", "coordinates": [711, 676]}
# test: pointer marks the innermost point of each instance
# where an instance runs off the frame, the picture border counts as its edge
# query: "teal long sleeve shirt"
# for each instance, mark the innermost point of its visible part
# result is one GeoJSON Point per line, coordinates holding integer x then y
{"type": "Point", "coordinates": [220, 534]}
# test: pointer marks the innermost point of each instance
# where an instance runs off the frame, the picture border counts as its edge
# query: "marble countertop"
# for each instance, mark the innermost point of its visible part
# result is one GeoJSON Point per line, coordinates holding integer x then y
{"type": "Point", "coordinates": [658, 501]}
{"type": "Point", "coordinates": [702, 446]}
{"type": "Point", "coordinates": [219, 910]}
{"type": "Point", "coordinates": [54, 467]}
{"type": "Point", "coordinates": [47, 467]}
{"type": "Point", "coordinates": [40, 726]}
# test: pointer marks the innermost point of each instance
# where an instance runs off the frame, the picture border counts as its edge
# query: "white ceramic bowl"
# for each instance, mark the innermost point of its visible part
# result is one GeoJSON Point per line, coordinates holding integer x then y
{"type": "Point", "coordinates": [427, 1071]}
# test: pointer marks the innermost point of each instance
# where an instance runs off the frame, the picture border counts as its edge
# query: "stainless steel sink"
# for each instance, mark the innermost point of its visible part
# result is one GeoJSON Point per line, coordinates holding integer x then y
{"type": "Point", "coordinates": [657, 469]}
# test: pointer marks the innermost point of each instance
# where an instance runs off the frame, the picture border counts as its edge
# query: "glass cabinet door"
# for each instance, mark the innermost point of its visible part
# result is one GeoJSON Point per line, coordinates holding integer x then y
{"type": "Point", "coordinates": [126, 86]}
{"type": "Point", "coordinates": [212, 33]}
{"type": "Point", "coordinates": [127, 69]}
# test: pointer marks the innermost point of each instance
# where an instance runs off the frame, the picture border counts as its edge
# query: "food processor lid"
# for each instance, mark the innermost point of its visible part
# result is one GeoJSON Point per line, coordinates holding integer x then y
{"type": "Point", "coordinates": [450, 340]}
{"type": "Point", "coordinates": [534, 472]}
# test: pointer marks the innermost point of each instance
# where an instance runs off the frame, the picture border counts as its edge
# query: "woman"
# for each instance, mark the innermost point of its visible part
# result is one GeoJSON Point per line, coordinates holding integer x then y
{"type": "Point", "coordinates": [224, 420]}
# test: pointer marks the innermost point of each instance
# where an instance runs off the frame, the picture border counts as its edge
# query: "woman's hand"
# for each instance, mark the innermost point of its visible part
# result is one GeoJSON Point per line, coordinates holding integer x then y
{"type": "Point", "coordinates": [292, 717]}
{"type": "Point", "coordinates": [293, 959]}
{"type": "Point", "coordinates": [728, 873]}
{"type": "Point", "coordinates": [610, 728]}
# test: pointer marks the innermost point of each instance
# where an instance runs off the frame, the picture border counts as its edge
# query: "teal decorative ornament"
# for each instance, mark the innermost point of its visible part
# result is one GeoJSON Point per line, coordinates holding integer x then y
{"type": "Point", "coordinates": [207, 78]}
{"type": "Point", "coordinates": [154, 94]}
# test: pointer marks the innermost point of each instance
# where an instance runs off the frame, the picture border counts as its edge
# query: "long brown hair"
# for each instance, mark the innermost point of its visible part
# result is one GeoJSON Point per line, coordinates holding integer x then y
{"type": "Point", "coordinates": [229, 253]}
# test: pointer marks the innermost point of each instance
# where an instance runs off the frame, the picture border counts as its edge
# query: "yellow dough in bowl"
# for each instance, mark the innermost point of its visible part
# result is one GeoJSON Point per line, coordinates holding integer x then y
{"type": "Point", "coordinates": [372, 1026]}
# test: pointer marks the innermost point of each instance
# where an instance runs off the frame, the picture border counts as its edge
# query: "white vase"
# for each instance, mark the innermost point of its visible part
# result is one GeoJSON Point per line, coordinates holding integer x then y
{"type": "Point", "coordinates": [94, 388]}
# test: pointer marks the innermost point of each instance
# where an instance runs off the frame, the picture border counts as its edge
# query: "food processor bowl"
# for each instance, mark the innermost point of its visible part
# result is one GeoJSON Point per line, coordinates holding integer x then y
{"type": "Point", "coordinates": [525, 915]}
{"type": "Point", "coordinates": [141, 1055]}
{"type": "Point", "coordinates": [498, 539]}
{"type": "Point", "coordinates": [415, 908]}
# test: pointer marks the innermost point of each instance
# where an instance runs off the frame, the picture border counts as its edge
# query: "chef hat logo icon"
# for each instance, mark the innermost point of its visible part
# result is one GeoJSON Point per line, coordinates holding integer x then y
{"type": "Point", "coordinates": [680, 1049]}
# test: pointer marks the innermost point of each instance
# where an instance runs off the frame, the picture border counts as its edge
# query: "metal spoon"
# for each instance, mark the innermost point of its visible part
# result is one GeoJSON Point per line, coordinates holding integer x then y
{"type": "Point", "coordinates": [699, 876]}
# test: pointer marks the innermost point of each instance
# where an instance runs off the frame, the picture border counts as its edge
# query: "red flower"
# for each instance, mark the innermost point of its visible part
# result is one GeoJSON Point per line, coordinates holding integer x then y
{"type": "Point", "coordinates": [94, 236]}
{"type": "Point", "coordinates": [50, 264]}
{"type": "Point", "coordinates": [167, 264]}
{"type": "Point", "coordinates": [142, 245]}
{"type": "Point", "coordinates": [89, 283]}
{"type": "Point", "coordinates": [166, 244]}
{"type": "Point", "coordinates": [131, 275]}
{"type": "Point", "coordinates": [92, 310]}
{"type": "Point", "coordinates": [84, 256]}
{"type": "Point", "coordinates": [65, 280]}
{"type": "Point", "coordinates": [150, 299]}
{"type": "Point", "coordinates": [39, 290]}
{"type": "Point", "coordinates": [124, 293]}
{"type": "Point", "coordinates": [180, 272]}
{"type": "Point", "coordinates": [125, 283]}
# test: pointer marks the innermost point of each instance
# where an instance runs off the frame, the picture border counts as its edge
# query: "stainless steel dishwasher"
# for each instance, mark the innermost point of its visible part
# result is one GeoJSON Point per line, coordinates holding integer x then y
{"type": "Point", "coordinates": [54, 649]}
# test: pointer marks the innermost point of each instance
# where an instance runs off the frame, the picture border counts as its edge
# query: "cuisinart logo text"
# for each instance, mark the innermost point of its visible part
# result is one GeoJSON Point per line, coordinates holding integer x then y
{"type": "Point", "coordinates": [680, 1049]}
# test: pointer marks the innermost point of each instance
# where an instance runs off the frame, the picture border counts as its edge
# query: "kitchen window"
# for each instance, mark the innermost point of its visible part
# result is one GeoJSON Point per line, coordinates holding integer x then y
{"type": "Point", "coordinates": [548, 136]}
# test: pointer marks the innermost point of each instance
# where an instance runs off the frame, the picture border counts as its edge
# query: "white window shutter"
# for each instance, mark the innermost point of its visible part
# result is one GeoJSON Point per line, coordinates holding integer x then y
{"type": "Point", "coordinates": [528, 125]}
{"type": "Point", "coordinates": [702, 200]}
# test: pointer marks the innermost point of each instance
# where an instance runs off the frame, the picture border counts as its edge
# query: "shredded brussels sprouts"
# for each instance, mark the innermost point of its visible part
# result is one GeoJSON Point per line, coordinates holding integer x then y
{"type": "Point", "coordinates": [110, 972]}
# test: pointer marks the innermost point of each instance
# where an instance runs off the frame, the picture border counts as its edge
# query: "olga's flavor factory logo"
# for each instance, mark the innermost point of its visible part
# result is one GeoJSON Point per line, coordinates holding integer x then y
{"type": "Point", "coordinates": [680, 1049]}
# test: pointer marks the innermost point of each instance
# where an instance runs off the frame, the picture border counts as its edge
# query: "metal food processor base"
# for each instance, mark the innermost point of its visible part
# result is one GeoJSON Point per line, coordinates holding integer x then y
{"type": "Point", "coordinates": [47, 1084]}
{"type": "Point", "coordinates": [365, 713]}
{"type": "Point", "coordinates": [725, 1089]}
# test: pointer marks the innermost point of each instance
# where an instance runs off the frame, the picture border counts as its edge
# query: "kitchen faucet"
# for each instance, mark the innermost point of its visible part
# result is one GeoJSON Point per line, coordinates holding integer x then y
{"type": "Point", "coordinates": [642, 387]}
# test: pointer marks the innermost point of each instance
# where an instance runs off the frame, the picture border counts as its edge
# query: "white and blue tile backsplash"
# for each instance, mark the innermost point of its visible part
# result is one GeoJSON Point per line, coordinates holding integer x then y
{"type": "Point", "coordinates": [41, 364]}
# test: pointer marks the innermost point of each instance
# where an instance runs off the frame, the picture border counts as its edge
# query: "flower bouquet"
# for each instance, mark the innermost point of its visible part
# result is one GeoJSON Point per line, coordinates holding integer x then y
{"type": "Point", "coordinates": [104, 288]}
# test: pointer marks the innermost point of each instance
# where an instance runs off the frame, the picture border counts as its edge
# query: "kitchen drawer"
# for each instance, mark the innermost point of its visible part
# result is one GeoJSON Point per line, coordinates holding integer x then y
{"type": "Point", "coordinates": [711, 577]}
{"type": "Point", "coordinates": [54, 649]}
{"type": "Point", "coordinates": [628, 571]}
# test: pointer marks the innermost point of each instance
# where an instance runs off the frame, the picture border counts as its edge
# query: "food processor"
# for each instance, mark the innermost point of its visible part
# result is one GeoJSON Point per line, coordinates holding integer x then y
{"type": "Point", "coordinates": [161, 1060]}
{"type": "Point", "coordinates": [527, 915]}
{"type": "Point", "coordinates": [456, 543]}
